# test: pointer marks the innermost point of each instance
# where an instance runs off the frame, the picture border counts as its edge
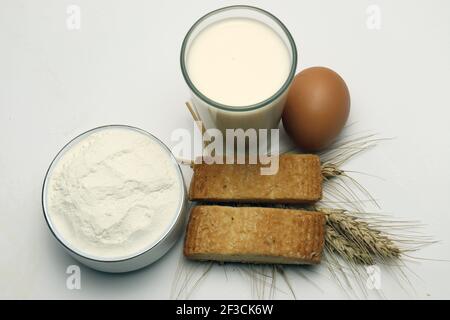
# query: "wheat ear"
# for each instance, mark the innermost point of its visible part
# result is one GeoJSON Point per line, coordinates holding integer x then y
{"type": "Point", "coordinates": [361, 235]}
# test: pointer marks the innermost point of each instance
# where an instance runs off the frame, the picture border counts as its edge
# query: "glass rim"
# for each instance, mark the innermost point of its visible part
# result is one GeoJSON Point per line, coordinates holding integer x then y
{"type": "Point", "coordinates": [255, 106]}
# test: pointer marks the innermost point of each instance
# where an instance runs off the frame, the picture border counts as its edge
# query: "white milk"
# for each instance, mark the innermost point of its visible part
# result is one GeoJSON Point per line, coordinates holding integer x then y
{"type": "Point", "coordinates": [238, 62]}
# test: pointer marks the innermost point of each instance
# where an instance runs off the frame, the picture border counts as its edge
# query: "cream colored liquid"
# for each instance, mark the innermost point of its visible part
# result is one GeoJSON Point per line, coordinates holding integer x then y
{"type": "Point", "coordinates": [238, 62]}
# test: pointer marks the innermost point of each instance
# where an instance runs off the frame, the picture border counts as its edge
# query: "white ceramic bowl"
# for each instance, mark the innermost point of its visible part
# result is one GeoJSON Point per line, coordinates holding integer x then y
{"type": "Point", "coordinates": [141, 259]}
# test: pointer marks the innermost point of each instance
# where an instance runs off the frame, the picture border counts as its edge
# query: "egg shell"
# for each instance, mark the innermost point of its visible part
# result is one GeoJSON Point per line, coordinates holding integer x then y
{"type": "Point", "coordinates": [317, 108]}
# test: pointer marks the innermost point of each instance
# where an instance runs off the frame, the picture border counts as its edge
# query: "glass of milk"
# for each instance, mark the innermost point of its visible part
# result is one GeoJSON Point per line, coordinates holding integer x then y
{"type": "Point", "coordinates": [239, 62]}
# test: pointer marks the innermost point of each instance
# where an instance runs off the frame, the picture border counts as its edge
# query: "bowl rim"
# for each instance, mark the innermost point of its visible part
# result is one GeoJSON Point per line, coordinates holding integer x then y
{"type": "Point", "coordinates": [180, 210]}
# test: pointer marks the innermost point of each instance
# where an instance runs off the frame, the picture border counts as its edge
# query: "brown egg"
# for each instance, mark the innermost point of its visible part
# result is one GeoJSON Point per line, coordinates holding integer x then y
{"type": "Point", "coordinates": [317, 107]}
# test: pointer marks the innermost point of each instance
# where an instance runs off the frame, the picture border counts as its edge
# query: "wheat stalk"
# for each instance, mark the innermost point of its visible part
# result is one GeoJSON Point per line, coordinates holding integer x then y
{"type": "Point", "coordinates": [330, 170]}
{"type": "Point", "coordinates": [335, 242]}
{"type": "Point", "coordinates": [360, 235]}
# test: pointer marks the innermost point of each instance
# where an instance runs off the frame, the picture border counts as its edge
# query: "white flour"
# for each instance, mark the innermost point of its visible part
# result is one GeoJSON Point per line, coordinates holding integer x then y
{"type": "Point", "coordinates": [114, 193]}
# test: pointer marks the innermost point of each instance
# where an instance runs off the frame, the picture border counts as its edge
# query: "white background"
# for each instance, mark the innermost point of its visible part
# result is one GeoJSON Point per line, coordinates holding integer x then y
{"type": "Point", "coordinates": [122, 67]}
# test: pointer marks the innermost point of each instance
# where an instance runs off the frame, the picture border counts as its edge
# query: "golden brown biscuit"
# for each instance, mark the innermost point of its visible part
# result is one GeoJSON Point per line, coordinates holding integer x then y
{"type": "Point", "coordinates": [256, 235]}
{"type": "Point", "coordinates": [298, 180]}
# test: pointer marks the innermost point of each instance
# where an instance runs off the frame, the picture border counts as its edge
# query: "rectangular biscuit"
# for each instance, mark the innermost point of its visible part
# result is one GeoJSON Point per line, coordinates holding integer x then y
{"type": "Point", "coordinates": [255, 235]}
{"type": "Point", "coordinates": [298, 180]}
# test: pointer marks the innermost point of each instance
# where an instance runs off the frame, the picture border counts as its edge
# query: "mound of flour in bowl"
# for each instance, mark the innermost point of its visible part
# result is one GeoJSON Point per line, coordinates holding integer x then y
{"type": "Point", "coordinates": [113, 193]}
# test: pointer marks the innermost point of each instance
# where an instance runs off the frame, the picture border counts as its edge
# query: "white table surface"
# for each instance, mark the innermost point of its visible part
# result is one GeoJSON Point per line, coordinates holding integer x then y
{"type": "Point", "coordinates": [122, 66]}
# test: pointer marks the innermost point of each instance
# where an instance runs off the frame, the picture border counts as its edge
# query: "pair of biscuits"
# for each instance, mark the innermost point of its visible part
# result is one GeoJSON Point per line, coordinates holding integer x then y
{"type": "Point", "coordinates": [256, 234]}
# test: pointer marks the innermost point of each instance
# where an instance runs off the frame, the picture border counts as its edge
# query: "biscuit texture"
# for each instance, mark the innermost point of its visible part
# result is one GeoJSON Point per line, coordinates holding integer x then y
{"type": "Point", "coordinates": [255, 235]}
{"type": "Point", "coordinates": [298, 180]}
